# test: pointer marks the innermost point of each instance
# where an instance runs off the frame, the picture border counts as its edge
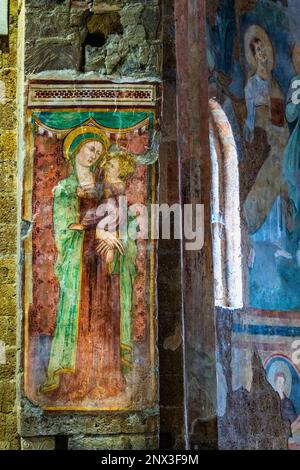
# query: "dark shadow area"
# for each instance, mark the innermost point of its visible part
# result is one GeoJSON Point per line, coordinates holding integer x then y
{"type": "Point", "coordinates": [94, 40]}
{"type": "Point", "coordinates": [61, 442]}
{"type": "Point", "coordinates": [169, 259]}
{"type": "Point", "coordinates": [166, 441]}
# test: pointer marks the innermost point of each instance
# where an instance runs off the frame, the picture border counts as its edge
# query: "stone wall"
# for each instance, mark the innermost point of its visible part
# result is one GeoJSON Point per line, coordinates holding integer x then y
{"type": "Point", "coordinates": [8, 238]}
{"type": "Point", "coordinates": [116, 38]}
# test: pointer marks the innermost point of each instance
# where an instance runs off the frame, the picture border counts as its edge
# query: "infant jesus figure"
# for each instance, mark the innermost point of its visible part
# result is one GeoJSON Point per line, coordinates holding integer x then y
{"type": "Point", "coordinates": [117, 168]}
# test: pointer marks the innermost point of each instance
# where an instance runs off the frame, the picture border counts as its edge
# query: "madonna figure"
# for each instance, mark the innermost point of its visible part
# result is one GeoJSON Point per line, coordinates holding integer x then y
{"type": "Point", "coordinates": [91, 350]}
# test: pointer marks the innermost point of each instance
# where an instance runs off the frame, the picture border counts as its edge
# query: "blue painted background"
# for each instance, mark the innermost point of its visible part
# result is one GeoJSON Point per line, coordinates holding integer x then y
{"type": "Point", "coordinates": [274, 281]}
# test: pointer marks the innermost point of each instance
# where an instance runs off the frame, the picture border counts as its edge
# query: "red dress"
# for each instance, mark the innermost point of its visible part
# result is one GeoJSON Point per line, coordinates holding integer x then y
{"type": "Point", "coordinates": [98, 365]}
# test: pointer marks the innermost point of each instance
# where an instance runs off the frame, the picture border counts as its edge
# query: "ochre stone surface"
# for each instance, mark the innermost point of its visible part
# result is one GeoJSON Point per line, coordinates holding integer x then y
{"type": "Point", "coordinates": [7, 145]}
{"type": "Point", "coordinates": [9, 439]}
{"type": "Point", "coordinates": [104, 24]}
{"type": "Point", "coordinates": [38, 443]}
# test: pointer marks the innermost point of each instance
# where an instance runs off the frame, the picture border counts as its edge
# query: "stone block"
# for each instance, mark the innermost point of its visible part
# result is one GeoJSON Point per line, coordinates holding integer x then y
{"type": "Point", "coordinates": [8, 209]}
{"type": "Point", "coordinates": [7, 117]}
{"type": "Point", "coordinates": [2, 426]}
{"type": "Point", "coordinates": [8, 239]}
{"type": "Point", "coordinates": [2, 92]}
{"type": "Point", "coordinates": [135, 34]}
{"type": "Point", "coordinates": [78, 15]}
{"type": "Point", "coordinates": [14, 443]}
{"type": "Point", "coordinates": [9, 59]}
{"type": "Point", "coordinates": [8, 370]}
{"type": "Point", "coordinates": [2, 352]}
{"type": "Point", "coordinates": [131, 14]}
{"type": "Point", "coordinates": [8, 176]}
{"type": "Point", "coordinates": [8, 269]}
{"type": "Point", "coordinates": [39, 3]}
{"type": "Point", "coordinates": [100, 6]}
{"type": "Point", "coordinates": [7, 294]}
{"type": "Point", "coordinates": [8, 330]}
{"type": "Point", "coordinates": [7, 145]}
{"type": "Point", "coordinates": [11, 426]}
{"type": "Point", "coordinates": [7, 396]}
{"type": "Point", "coordinates": [118, 442]}
{"type": "Point", "coordinates": [39, 58]}
{"type": "Point", "coordinates": [104, 24]}
{"type": "Point", "coordinates": [4, 445]}
{"type": "Point", "coordinates": [9, 78]}
{"type": "Point", "coordinates": [33, 422]}
{"type": "Point", "coordinates": [94, 59]}
{"type": "Point", "coordinates": [13, 8]}
{"type": "Point", "coordinates": [55, 23]}
{"type": "Point", "coordinates": [38, 443]}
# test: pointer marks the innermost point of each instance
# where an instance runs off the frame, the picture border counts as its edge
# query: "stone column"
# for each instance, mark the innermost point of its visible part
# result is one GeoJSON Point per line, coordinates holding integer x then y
{"type": "Point", "coordinates": [195, 182]}
{"type": "Point", "coordinates": [169, 264]}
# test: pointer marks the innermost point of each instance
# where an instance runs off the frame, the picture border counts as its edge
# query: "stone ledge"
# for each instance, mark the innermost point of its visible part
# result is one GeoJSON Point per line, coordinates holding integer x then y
{"type": "Point", "coordinates": [38, 443]}
{"type": "Point", "coordinates": [34, 422]}
{"type": "Point", "coordinates": [120, 442]}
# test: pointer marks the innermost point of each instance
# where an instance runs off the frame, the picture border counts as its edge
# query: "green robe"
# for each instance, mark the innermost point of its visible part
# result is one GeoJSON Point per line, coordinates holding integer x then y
{"type": "Point", "coordinates": [69, 243]}
{"type": "Point", "coordinates": [125, 267]}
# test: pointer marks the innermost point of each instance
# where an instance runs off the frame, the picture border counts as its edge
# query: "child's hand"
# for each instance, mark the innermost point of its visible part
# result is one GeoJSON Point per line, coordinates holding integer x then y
{"type": "Point", "coordinates": [76, 227]}
{"type": "Point", "coordinates": [80, 192]}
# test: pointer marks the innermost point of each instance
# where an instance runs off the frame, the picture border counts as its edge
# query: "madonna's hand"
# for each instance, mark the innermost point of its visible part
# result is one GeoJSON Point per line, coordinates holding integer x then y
{"type": "Point", "coordinates": [109, 240]}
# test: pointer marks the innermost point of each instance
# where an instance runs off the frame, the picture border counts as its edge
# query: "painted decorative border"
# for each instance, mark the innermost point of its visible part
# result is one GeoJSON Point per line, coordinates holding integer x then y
{"type": "Point", "coordinates": [41, 99]}
{"type": "Point", "coordinates": [74, 93]}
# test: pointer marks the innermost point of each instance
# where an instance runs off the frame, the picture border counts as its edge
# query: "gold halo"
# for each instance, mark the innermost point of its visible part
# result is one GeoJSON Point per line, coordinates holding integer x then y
{"type": "Point", "coordinates": [80, 131]}
{"type": "Point", "coordinates": [256, 31]}
{"type": "Point", "coordinates": [296, 58]}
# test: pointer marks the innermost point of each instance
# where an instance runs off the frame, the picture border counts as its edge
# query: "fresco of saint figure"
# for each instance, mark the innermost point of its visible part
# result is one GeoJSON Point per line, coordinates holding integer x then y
{"type": "Point", "coordinates": [269, 206]}
{"type": "Point", "coordinates": [276, 244]}
{"type": "Point", "coordinates": [264, 99]}
{"type": "Point", "coordinates": [288, 411]}
{"type": "Point", "coordinates": [89, 329]}
{"type": "Point", "coordinates": [265, 109]}
{"type": "Point", "coordinates": [284, 378]}
{"type": "Point", "coordinates": [89, 266]}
